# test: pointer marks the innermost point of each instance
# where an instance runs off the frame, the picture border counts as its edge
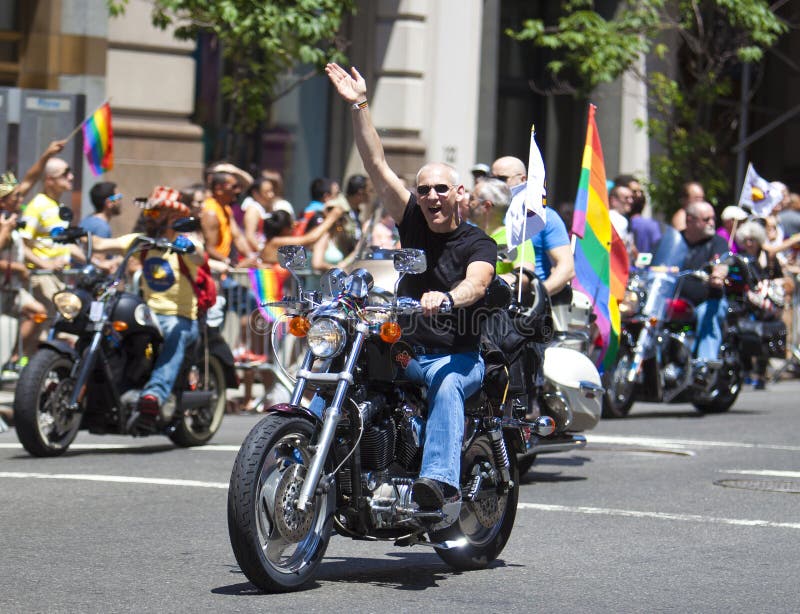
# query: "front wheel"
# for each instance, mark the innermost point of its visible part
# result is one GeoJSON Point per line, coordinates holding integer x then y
{"type": "Point", "coordinates": [619, 396]}
{"type": "Point", "coordinates": [484, 524]}
{"type": "Point", "coordinates": [196, 426]}
{"type": "Point", "coordinates": [45, 425]}
{"type": "Point", "coordinates": [277, 546]}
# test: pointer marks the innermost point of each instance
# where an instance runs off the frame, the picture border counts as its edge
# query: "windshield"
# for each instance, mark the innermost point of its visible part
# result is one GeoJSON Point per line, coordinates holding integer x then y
{"type": "Point", "coordinates": [672, 249]}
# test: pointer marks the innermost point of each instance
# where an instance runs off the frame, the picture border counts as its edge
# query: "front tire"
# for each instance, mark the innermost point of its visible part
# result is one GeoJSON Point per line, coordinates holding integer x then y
{"type": "Point", "coordinates": [278, 547]}
{"type": "Point", "coordinates": [196, 427]}
{"type": "Point", "coordinates": [620, 393]}
{"type": "Point", "coordinates": [484, 524]}
{"type": "Point", "coordinates": [45, 426]}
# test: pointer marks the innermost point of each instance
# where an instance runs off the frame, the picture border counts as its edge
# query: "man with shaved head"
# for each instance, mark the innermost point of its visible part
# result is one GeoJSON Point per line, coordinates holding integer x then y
{"type": "Point", "coordinates": [555, 265]}
{"type": "Point", "coordinates": [461, 260]}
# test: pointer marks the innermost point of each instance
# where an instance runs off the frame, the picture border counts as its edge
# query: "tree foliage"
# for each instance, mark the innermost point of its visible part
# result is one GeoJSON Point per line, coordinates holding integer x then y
{"type": "Point", "coordinates": [261, 41]}
{"type": "Point", "coordinates": [708, 40]}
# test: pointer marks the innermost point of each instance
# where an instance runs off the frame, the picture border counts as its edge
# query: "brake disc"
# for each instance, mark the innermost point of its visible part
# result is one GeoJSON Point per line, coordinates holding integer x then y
{"type": "Point", "coordinates": [293, 524]}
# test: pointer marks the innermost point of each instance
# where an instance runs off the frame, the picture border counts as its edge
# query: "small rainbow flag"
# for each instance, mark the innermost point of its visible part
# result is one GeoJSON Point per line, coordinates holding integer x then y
{"type": "Point", "coordinates": [267, 286]}
{"type": "Point", "coordinates": [98, 140]}
{"type": "Point", "coordinates": [601, 261]}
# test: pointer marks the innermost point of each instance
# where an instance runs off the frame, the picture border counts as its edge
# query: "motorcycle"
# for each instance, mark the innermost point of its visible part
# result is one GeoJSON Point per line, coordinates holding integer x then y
{"type": "Point", "coordinates": [550, 373]}
{"type": "Point", "coordinates": [655, 362]}
{"type": "Point", "coordinates": [300, 475]}
{"type": "Point", "coordinates": [95, 384]}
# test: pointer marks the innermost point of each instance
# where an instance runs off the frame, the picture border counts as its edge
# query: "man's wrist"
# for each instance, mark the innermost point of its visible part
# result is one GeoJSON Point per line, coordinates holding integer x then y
{"type": "Point", "coordinates": [449, 298]}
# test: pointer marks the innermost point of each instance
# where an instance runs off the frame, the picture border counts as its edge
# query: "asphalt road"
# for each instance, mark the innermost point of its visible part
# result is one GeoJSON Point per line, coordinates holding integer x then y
{"type": "Point", "coordinates": [639, 521]}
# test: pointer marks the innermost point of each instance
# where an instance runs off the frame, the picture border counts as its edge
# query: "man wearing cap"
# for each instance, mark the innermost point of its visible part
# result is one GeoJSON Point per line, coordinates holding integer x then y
{"type": "Point", "coordinates": [168, 292]}
{"type": "Point", "coordinates": [731, 217]}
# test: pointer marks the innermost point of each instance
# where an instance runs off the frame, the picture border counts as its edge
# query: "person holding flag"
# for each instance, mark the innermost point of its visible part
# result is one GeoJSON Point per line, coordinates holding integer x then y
{"type": "Point", "coordinates": [555, 265]}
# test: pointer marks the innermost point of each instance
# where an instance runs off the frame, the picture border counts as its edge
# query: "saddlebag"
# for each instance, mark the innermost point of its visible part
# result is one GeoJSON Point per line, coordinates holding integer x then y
{"type": "Point", "coordinates": [762, 338]}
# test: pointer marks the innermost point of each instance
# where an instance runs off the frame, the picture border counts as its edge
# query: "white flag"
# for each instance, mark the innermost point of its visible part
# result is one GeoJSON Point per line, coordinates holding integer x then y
{"type": "Point", "coordinates": [526, 213]}
{"type": "Point", "coordinates": [757, 194]}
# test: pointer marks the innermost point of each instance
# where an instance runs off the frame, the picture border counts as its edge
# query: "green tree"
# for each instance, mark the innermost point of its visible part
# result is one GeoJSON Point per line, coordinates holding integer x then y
{"type": "Point", "coordinates": [693, 112]}
{"type": "Point", "coordinates": [261, 42]}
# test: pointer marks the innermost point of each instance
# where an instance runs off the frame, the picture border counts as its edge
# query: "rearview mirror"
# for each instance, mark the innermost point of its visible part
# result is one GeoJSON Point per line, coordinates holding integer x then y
{"type": "Point", "coordinates": [65, 213]}
{"type": "Point", "coordinates": [293, 257]}
{"type": "Point", "coordinates": [409, 260]}
{"type": "Point", "coordinates": [186, 224]}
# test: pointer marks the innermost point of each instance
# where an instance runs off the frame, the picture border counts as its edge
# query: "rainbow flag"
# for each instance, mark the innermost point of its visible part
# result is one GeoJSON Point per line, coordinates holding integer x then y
{"type": "Point", "coordinates": [601, 261]}
{"type": "Point", "coordinates": [267, 285]}
{"type": "Point", "coordinates": [98, 140]}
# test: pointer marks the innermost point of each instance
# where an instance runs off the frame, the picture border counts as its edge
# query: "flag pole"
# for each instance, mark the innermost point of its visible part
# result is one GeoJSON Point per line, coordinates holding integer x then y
{"type": "Point", "coordinates": [80, 125]}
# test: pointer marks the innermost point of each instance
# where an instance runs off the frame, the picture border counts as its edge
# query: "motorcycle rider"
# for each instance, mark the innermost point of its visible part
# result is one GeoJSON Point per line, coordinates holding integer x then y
{"type": "Point", "coordinates": [705, 246]}
{"type": "Point", "coordinates": [461, 261]}
{"type": "Point", "coordinates": [168, 292]}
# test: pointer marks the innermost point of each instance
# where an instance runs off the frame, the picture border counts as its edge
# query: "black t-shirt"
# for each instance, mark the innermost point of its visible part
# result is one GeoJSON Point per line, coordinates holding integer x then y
{"type": "Point", "coordinates": [699, 255]}
{"type": "Point", "coordinates": [448, 256]}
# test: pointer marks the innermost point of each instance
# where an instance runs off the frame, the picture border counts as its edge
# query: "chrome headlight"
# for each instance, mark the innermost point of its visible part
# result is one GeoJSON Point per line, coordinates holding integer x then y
{"type": "Point", "coordinates": [68, 304]}
{"type": "Point", "coordinates": [326, 338]}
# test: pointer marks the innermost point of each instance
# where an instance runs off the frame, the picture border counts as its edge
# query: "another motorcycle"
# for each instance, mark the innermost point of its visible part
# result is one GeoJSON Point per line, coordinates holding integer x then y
{"type": "Point", "coordinates": [299, 475]}
{"type": "Point", "coordinates": [655, 362]}
{"type": "Point", "coordinates": [95, 384]}
{"type": "Point", "coordinates": [550, 373]}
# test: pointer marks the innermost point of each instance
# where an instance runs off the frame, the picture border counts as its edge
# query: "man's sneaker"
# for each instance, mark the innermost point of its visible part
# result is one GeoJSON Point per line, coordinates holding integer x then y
{"type": "Point", "coordinates": [432, 495]}
{"type": "Point", "coordinates": [147, 412]}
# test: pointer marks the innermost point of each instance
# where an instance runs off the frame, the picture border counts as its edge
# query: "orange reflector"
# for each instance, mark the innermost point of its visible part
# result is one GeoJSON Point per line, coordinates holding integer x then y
{"type": "Point", "coordinates": [119, 326]}
{"type": "Point", "coordinates": [653, 321]}
{"type": "Point", "coordinates": [298, 326]}
{"type": "Point", "coordinates": [39, 317]}
{"type": "Point", "coordinates": [390, 332]}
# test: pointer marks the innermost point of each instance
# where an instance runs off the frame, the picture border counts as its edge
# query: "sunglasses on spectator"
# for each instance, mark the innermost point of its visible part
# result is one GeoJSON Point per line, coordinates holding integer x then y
{"type": "Point", "coordinates": [505, 178]}
{"type": "Point", "coordinates": [152, 212]}
{"type": "Point", "coordinates": [439, 188]}
{"type": "Point", "coordinates": [114, 197]}
{"type": "Point", "coordinates": [67, 171]}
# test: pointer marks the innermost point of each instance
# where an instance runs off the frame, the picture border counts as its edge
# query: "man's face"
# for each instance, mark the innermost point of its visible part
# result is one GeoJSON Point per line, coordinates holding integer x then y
{"type": "Point", "coordinates": [437, 197]}
{"type": "Point", "coordinates": [114, 203]}
{"type": "Point", "coordinates": [61, 177]}
{"type": "Point", "coordinates": [700, 224]}
{"type": "Point", "coordinates": [156, 221]}
{"type": "Point", "coordinates": [226, 192]}
{"type": "Point", "coordinates": [638, 194]}
{"type": "Point", "coordinates": [622, 201]}
{"type": "Point", "coordinates": [506, 170]}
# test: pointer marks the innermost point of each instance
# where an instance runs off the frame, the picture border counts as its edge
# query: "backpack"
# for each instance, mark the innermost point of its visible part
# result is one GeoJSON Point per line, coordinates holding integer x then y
{"type": "Point", "coordinates": [205, 289]}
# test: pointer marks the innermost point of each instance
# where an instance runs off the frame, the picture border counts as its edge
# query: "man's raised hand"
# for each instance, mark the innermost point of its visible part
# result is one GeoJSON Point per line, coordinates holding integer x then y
{"type": "Point", "coordinates": [352, 88]}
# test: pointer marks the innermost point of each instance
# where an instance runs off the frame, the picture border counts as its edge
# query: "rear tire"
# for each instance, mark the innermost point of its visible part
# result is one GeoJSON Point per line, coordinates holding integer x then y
{"type": "Point", "coordinates": [44, 425]}
{"type": "Point", "coordinates": [485, 524]}
{"type": "Point", "coordinates": [278, 547]}
{"type": "Point", "coordinates": [197, 426]}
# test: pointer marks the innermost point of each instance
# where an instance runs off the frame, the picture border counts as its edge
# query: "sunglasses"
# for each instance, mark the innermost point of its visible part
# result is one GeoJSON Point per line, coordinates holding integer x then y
{"type": "Point", "coordinates": [114, 197]}
{"type": "Point", "coordinates": [67, 171]}
{"type": "Point", "coordinates": [152, 212]}
{"type": "Point", "coordinates": [505, 178]}
{"type": "Point", "coordinates": [439, 188]}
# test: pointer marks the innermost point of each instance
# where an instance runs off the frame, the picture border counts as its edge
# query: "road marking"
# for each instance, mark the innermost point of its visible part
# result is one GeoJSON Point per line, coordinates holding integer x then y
{"type": "Point", "coordinates": [120, 479]}
{"type": "Point", "coordinates": [599, 511]}
{"type": "Point", "coordinates": [126, 446]}
{"type": "Point", "coordinates": [764, 472]}
{"type": "Point", "coordinates": [680, 443]}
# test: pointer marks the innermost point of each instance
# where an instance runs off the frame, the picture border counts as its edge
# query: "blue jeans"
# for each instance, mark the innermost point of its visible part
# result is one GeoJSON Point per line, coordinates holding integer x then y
{"type": "Point", "coordinates": [179, 333]}
{"type": "Point", "coordinates": [450, 379]}
{"type": "Point", "coordinates": [710, 316]}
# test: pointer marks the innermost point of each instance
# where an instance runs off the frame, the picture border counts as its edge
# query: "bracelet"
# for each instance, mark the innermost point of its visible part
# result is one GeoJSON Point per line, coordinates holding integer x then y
{"type": "Point", "coordinates": [450, 298]}
{"type": "Point", "coordinates": [358, 106]}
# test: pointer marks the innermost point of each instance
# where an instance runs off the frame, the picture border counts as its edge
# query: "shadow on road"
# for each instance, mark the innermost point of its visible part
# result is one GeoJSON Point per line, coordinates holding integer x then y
{"type": "Point", "coordinates": [154, 449]}
{"type": "Point", "coordinates": [414, 571]}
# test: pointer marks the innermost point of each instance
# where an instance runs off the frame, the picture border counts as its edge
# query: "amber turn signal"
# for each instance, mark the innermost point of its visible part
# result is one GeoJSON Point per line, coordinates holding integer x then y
{"type": "Point", "coordinates": [298, 326]}
{"type": "Point", "coordinates": [39, 317]}
{"type": "Point", "coordinates": [119, 326]}
{"type": "Point", "coordinates": [390, 332]}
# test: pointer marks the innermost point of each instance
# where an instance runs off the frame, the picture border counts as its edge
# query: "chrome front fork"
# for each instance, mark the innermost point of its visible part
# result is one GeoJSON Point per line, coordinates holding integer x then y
{"type": "Point", "coordinates": [333, 414]}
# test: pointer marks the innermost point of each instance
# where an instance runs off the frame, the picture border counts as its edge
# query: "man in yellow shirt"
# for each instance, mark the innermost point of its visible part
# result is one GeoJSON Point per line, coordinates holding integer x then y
{"type": "Point", "coordinates": [169, 291]}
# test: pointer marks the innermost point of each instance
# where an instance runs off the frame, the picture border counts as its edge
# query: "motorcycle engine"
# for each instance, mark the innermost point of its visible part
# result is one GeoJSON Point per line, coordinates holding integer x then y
{"type": "Point", "coordinates": [676, 354]}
